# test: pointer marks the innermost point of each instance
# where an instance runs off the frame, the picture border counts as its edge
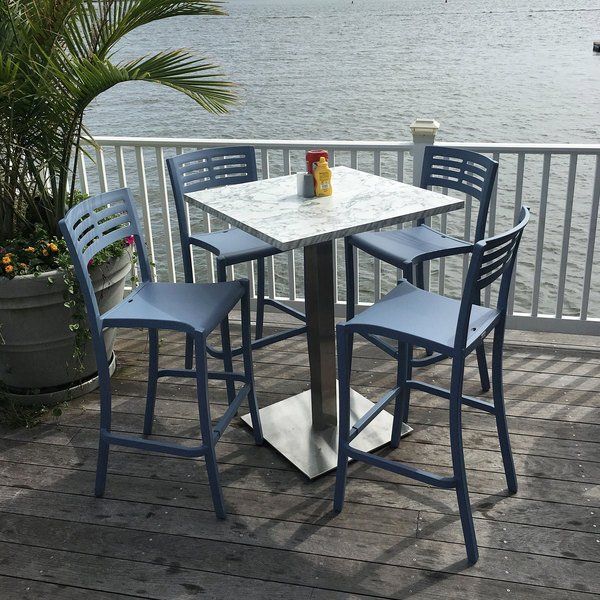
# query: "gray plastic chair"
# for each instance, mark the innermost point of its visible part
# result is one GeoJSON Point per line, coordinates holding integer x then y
{"type": "Point", "coordinates": [195, 309]}
{"type": "Point", "coordinates": [455, 328]}
{"type": "Point", "coordinates": [407, 249]}
{"type": "Point", "coordinates": [214, 167]}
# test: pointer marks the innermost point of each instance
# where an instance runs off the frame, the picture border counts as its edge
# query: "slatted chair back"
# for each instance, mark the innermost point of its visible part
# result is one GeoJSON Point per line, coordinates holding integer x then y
{"type": "Point", "coordinates": [463, 171]}
{"type": "Point", "coordinates": [91, 226]}
{"type": "Point", "coordinates": [203, 169]}
{"type": "Point", "coordinates": [492, 258]}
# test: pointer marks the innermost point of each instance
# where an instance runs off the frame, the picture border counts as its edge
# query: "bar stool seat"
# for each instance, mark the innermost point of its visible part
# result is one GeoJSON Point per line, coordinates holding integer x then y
{"type": "Point", "coordinates": [233, 246]}
{"type": "Point", "coordinates": [175, 306]}
{"type": "Point", "coordinates": [403, 246]}
{"type": "Point", "coordinates": [424, 318]}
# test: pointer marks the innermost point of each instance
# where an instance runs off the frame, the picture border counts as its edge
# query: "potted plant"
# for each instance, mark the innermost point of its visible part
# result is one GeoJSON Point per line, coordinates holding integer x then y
{"type": "Point", "coordinates": [56, 57]}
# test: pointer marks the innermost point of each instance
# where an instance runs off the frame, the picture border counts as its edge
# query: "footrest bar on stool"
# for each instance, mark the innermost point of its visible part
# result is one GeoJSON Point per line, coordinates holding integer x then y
{"type": "Point", "coordinates": [427, 360]}
{"type": "Point", "coordinates": [377, 341]}
{"type": "Point", "coordinates": [231, 411]}
{"type": "Point", "coordinates": [286, 309]}
{"type": "Point", "coordinates": [153, 445]}
{"type": "Point", "coordinates": [443, 393]}
{"type": "Point", "coordinates": [373, 412]}
{"type": "Point", "coordinates": [256, 344]}
{"type": "Point", "coordinates": [402, 469]}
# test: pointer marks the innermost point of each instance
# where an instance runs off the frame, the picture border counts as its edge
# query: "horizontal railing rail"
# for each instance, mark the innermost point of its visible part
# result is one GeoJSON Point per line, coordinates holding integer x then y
{"type": "Point", "coordinates": [556, 289]}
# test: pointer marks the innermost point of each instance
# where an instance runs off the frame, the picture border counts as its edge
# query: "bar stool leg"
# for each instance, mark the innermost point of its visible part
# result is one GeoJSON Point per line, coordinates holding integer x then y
{"type": "Point", "coordinates": [344, 341]}
{"type": "Point", "coordinates": [189, 351]}
{"type": "Point", "coordinates": [260, 298]}
{"type": "Point", "coordinates": [206, 427]}
{"type": "Point", "coordinates": [248, 368]}
{"type": "Point", "coordinates": [350, 288]}
{"type": "Point", "coordinates": [501, 424]}
{"type": "Point", "coordinates": [226, 338]}
{"type": "Point", "coordinates": [105, 420]}
{"type": "Point", "coordinates": [483, 368]}
{"type": "Point", "coordinates": [402, 399]}
{"type": "Point", "coordinates": [152, 380]}
{"type": "Point", "coordinates": [458, 459]}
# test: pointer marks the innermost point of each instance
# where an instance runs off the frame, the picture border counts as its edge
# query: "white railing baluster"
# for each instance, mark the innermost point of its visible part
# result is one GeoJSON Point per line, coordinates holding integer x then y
{"type": "Point", "coordinates": [101, 166]}
{"type": "Point", "coordinates": [179, 152]}
{"type": "Point", "coordinates": [442, 261]}
{"type": "Point", "coordinates": [353, 159]}
{"type": "Point", "coordinates": [208, 255]}
{"type": "Point", "coordinates": [166, 215]}
{"type": "Point", "coordinates": [146, 215]}
{"type": "Point", "coordinates": [492, 221]}
{"type": "Point", "coordinates": [400, 170]}
{"type": "Point", "coordinates": [291, 268]}
{"type": "Point", "coordinates": [516, 211]}
{"type": "Point", "coordinates": [82, 174]}
{"type": "Point", "coordinates": [562, 273]}
{"type": "Point", "coordinates": [589, 259]}
{"type": "Point", "coordinates": [376, 261]}
{"type": "Point", "coordinates": [467, 235]}
{"type": "Point", "coordinates": [537, 275]}
{"type": "Point", "coordinates": [121, 166]}
{"type": "Point", "coordinates": [356, 255]}
{"type": "Point", "coordinates": [270, 275]}
{"type": "Point", "coordinates": [286, 162]}
{"type": "Point", "coordinates": [264, 161]}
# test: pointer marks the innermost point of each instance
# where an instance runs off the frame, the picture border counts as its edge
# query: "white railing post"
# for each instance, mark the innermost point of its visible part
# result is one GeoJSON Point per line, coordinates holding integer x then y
{"type": "Point", "coordinates": [423, 133]}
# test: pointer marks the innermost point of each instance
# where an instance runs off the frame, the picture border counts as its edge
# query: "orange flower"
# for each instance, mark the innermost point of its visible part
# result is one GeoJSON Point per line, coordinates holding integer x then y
{"type": "Point", "coordinates": [53, 247]}
{"type": "Point", "coordinates": [23, 265]}
{"type": "Point", "coordinates": [30, 249]}
{"type": "Point", "coordinates": [9, 268]}
{"type": "Point", "coordinates": [45, 252]}
{"type": "Point", "coordinates": [6, 260]}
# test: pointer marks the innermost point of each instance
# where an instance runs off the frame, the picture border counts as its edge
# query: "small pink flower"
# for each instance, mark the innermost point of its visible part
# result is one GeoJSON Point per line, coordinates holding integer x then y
{"type": "Point", "coordinates": [129, 240]}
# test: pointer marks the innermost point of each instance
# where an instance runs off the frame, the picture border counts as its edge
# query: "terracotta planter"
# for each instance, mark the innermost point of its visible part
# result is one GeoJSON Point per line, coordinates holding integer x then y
{"type": "Point", "coordinates": [36, 345]}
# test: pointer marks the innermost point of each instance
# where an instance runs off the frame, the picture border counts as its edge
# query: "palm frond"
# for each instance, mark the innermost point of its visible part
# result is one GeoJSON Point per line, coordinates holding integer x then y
{"type": "Point", "coordinates": [96, 26]}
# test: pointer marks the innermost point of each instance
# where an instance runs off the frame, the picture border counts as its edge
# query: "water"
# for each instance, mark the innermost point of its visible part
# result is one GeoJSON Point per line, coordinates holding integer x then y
{"type": "Point", "coordinates": [507, 70]}
{"type": "Point", "coordinates": [502, 71]}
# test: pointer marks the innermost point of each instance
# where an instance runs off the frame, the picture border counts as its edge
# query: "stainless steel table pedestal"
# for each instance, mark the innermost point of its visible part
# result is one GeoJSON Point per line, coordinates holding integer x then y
{"type": "Point", "coordinates": [287, 426]}
{"type": "Point", "coordinates": [304, 427]}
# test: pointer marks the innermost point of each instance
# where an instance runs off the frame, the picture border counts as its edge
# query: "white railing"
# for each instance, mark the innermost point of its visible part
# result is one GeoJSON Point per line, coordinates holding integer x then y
{"type": "Point", "coordinates": [556, 286]}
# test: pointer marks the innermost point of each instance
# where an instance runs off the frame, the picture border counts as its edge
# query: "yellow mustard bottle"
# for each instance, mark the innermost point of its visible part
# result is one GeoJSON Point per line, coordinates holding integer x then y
{"type": "Point", "coordinates": [322, 175]}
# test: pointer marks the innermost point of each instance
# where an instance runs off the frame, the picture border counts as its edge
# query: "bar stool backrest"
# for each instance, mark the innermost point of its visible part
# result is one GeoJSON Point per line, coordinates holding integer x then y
{"type": "Point", "coordinates": [203, 169]}
{"type": "Point", "coordinates": [492, 258]}
{"type": "Point", "coordinates": [91, 226]}
{"type": "Point", "coordinates": [464, 171]}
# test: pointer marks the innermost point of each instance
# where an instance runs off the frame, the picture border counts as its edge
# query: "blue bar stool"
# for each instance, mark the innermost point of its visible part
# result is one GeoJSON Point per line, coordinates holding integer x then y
{"type": "Point", "coordinates": [407, 249]}
{"type": "Point", "coordinates": [196, 309]}
{"type": "Point", "coordinates": [214, 167]}
{"type": "Point", "coordinates": [455, 328]}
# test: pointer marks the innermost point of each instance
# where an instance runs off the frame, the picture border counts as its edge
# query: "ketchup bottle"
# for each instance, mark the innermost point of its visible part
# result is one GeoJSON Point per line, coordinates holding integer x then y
{"type": "Point", "coordinates": [313, 157]}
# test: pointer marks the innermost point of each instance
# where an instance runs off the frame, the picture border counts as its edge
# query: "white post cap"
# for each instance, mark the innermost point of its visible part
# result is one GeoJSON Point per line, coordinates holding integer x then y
{"type": "Point", "coordinates": [424, 127]}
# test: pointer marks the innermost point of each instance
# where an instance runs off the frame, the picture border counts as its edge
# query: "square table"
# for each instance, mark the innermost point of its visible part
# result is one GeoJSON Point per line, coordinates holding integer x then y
{"type": "Point", "coordinates": [304, 427]}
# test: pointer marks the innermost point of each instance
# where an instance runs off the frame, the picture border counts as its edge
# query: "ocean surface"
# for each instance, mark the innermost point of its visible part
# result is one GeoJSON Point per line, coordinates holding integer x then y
{"type": "Point", "coordinates": [488, 71]}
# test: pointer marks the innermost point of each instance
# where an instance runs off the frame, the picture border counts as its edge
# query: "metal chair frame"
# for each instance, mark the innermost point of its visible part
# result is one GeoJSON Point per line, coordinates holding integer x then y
{"type": "Point", "coordinates": [88, 228]}
{"type": "Point", "coordinates": [492, 258]}
{"type": "Point", "coordinates": [214, 167]}
{"type": "Point", "coordinates": [452, 168]}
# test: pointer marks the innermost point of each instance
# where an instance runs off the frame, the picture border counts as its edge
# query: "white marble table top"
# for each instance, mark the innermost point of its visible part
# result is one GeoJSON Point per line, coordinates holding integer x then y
{"type": "Point", "coordinates": [271, 210]}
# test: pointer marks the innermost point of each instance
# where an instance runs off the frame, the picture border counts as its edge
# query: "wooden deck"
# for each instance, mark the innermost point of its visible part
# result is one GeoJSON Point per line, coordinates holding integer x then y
{"type": "Point", "coordinates": [154, 535]}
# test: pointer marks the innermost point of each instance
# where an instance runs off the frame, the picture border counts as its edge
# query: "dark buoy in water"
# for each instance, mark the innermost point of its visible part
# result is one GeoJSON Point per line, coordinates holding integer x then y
{"type": "Point", "coordinates": [597, 46]}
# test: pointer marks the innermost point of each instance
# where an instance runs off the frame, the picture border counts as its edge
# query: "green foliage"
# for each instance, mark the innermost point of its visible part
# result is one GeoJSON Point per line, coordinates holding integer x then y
{"type": "Point", "coordinates": [56, 57]}
{"type": "Point", "coordinates": [14, 415]}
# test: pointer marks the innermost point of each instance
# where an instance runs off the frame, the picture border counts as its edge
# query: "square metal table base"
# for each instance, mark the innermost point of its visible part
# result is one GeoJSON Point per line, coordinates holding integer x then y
{"type": "Point", "coordinates": [287, 426]}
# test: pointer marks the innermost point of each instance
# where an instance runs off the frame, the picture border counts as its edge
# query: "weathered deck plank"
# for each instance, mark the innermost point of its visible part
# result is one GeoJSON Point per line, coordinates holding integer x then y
{"type": "Point", "coordinates": [154, 534]}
